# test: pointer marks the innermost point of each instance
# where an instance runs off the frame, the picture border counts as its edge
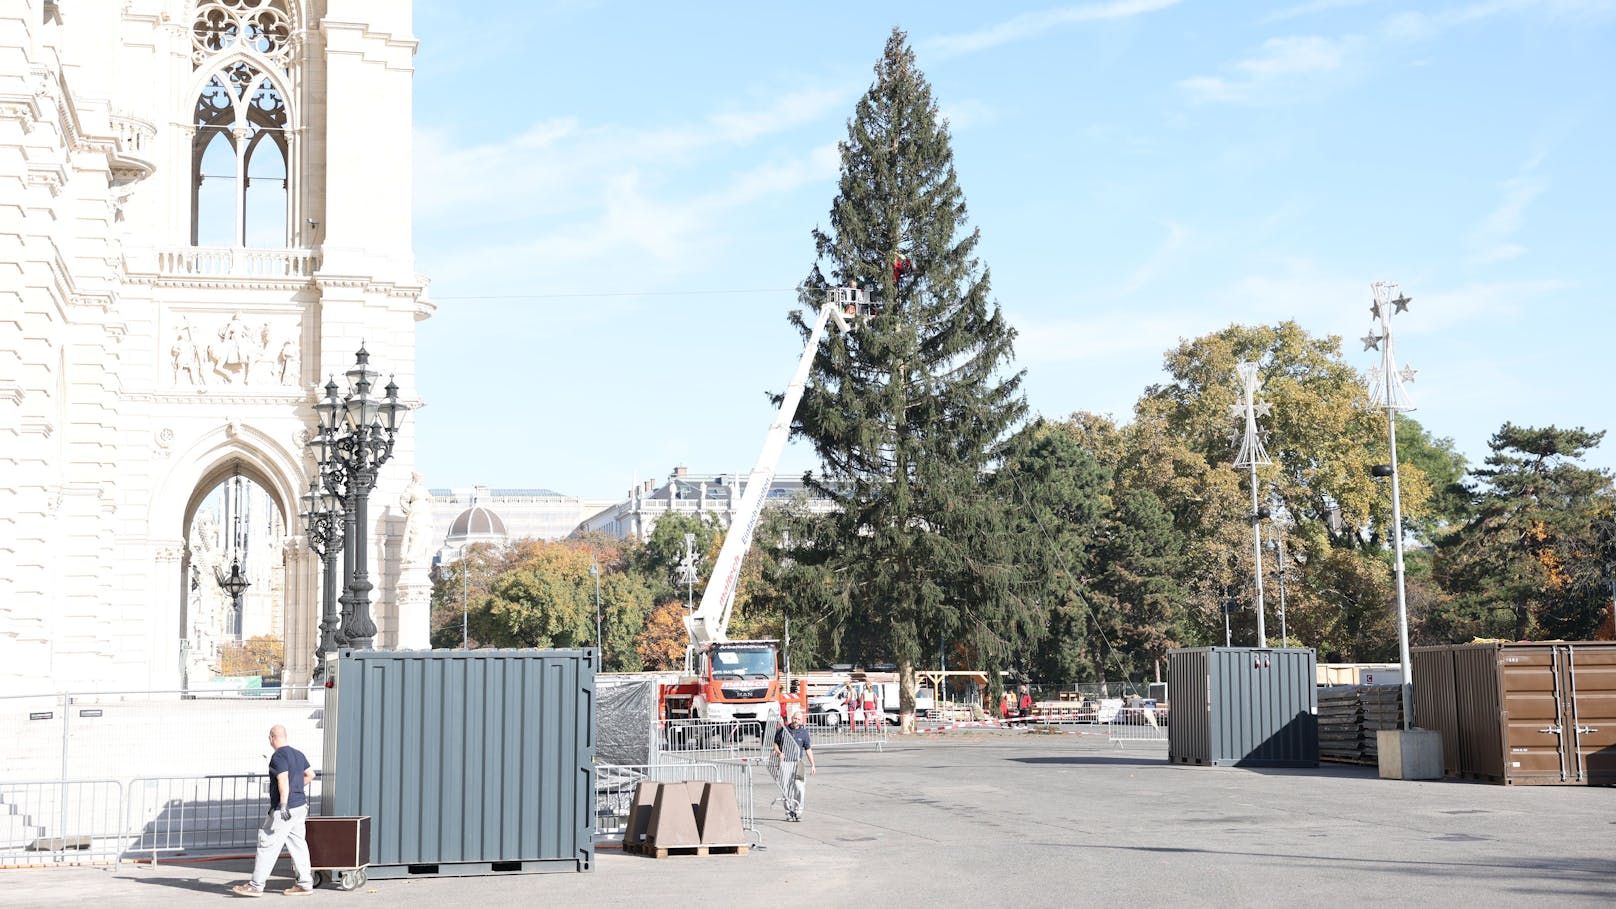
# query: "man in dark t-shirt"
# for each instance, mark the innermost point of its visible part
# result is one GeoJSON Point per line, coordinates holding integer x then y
{"type": "Point", "coordinates": [794, 747]}
{"type": "Point", "coordinates": [289, 776]}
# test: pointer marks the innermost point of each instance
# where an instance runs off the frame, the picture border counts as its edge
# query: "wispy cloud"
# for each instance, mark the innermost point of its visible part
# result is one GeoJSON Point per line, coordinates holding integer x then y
{"type": "Point", "coordinates": [1164, 256]}
{"type": "Point", "coordinates": [1416, 25]}
{"type": "Point", "coordinates": [1287, 67]}
{"type": "Point", "coordinates": [1031, 25]}
{"type": "Point", "coordinates": [1124, 335]}
{"type": "Point", "coordinates": [1276, 69]}
{"type": "Point", "coordinates": [1313, 9]}
{"type": "Point", "coordinates": [1493, 240]}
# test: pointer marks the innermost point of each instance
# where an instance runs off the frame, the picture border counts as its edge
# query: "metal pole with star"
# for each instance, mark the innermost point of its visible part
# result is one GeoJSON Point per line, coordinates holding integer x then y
{"type": "Point", "coordinates": [1252, 455]}
{"type": "Point", "coordinates": [1387, 392]}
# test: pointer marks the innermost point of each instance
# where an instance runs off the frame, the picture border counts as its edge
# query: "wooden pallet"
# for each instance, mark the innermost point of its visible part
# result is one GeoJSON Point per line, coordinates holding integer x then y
{"type": "Point", "coordinates": [665, 851]}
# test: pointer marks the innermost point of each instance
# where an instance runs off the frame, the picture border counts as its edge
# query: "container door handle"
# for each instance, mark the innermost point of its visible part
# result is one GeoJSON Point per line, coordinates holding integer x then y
{"type": "Point", "coordinates": [1554, 729]}
{"type": "Point", "coordinates": [1583, 730]}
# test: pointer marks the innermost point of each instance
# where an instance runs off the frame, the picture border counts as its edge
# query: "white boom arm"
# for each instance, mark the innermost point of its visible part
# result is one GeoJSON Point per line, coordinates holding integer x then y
{"type": "Point", "coordinates": [710, 621]}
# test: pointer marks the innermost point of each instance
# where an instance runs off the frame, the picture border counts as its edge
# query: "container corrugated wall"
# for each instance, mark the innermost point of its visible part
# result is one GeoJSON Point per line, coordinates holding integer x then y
{"type": "Point", "coordinates": [1523, 712]}
{"type": "Point", "coordinates": [1243, 706]}
{"type": "Point", "coordinates": [467, 762]}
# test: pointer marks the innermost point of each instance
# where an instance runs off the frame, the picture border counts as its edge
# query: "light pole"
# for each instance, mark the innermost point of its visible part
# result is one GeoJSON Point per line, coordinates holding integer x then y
{"type": "Point", "coordinates": [1279, 556]}
{"type": "Point", "coordinates": [322, 522]}
{"type": "Point", "coordinates": [1252, 455]}
{"type": "Point", "coordinates": [356, 437]}
{"type": "Point", "coordinates": [465, 599]}
{"type": "Point", "coordinates": [594, 572]}
{"type": "Point", "coordinates": [1387, 392]}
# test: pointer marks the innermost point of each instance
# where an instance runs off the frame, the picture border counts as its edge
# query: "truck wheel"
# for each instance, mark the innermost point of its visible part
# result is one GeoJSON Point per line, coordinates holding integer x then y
{"type": "Point", "coordinates": [832, 718]}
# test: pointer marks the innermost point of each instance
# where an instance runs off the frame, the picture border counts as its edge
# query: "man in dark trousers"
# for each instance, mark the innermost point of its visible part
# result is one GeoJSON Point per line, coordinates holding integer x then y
{"type": "Point", "coordinates": [795, 750]}
{"type": "Point", "coordinates": [289, 775]}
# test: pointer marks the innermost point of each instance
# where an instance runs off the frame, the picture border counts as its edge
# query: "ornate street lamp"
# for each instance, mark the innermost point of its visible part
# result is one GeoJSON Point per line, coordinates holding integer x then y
{"type": "Point", "coordinates": [322, 522]}
{"type": "Point", "coordinates": [234, 584]}
{"type": "Point", "coordinates": [356, 437]}
{"type": "Point", "coordinates": [1387, 392]}
{"type": "Point", "coordinates": [1252, 455]}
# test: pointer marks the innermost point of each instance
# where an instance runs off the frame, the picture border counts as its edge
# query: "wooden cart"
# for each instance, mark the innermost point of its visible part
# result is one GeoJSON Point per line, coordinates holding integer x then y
{"type": "Point", "coordinates": [339, 850]}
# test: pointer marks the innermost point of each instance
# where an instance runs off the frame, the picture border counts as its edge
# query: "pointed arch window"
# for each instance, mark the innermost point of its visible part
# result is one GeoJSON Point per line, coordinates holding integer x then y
{"type": "Point", "coordinates": [241, 150]}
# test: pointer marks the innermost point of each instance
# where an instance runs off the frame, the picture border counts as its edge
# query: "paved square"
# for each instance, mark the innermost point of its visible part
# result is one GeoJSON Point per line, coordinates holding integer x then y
{"type": "Point", "coordinates": [1021, 820]}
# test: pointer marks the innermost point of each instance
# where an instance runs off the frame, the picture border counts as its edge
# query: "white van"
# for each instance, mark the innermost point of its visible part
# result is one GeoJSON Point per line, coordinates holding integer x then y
{"type": "Point", "coordinates": [830, 708]}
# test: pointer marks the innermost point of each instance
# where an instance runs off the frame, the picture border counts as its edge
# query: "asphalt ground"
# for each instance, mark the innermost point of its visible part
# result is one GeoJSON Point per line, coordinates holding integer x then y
{"type": "Point", "coordinates": [987, 819]}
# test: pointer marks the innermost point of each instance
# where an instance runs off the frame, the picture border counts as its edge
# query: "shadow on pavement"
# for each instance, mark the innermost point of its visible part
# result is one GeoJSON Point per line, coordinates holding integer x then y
{"type": "Point", "coordinates": [1109, 759]}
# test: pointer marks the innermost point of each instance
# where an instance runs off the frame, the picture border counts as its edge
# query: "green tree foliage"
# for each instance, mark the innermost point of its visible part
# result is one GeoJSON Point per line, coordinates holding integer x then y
{"type": "Point", "coordinates": [626, 604]}
{"type": "Point", "coordinates": [908, 413]}
{"type": "Point", "coordinates": [544, 597]}
{"type": "Point", "coordinates": [1057, 496]}
{"type": "Point", "coordinates": [459, 585]}
{"type": "Point", "coordinates": [1527, 564]}
{"type": "Point", "coordinates": [658, 560]}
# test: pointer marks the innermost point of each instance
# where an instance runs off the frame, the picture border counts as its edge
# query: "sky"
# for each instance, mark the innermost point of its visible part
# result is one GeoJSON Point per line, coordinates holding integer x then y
{"type": "Point", "coordinates": [613, 202]}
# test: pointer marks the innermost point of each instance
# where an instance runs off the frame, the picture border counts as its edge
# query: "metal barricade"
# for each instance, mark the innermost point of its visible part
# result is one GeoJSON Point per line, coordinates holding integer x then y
{"type": "Point", "coordinates": [705, 741]}
{"type": "Point", "coordinates": [1137, 725]}
{"type": "Point", "coordinates": [61, 822]}
{"type": "Point", "coordinates": [614, 790]}
{"type": "Point", "coordinates": [845, 735]}
{"type": "Point", "coordinates": [199, 813]}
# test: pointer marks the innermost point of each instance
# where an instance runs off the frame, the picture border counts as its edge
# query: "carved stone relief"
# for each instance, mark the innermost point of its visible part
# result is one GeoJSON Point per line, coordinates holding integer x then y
{"type": "Point", "coordinates": [235, 354]}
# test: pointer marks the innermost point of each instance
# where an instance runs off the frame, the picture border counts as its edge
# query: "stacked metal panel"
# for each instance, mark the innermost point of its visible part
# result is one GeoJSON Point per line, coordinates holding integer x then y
{"type": "Point", "coordinates": [467, 762]}
{"type": "Point", "coordinates": [1242, 706]}
{"type": "Point", "coordinates": [1349, 717]}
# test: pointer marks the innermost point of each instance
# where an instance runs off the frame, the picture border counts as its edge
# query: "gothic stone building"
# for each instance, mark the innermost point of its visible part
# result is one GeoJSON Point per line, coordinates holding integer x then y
{"type": "Point", "coordinates": [204, 212]}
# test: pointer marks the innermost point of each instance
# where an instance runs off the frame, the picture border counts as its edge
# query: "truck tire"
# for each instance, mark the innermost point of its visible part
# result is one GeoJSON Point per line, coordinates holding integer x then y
{"type": "Point", "coordinates": [833, 718]}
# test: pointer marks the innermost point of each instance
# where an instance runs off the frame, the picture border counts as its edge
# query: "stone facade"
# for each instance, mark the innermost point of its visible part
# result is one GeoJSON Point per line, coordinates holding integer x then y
{"type": "Point", "coordinates": [204, 211]}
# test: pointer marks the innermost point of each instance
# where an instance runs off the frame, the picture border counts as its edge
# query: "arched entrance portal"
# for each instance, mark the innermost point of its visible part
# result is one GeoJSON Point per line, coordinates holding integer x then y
{"type": "Point", "coordinates": [233, 582]}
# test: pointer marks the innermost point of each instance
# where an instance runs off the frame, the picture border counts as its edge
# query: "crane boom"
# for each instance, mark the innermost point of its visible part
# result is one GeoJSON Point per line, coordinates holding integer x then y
{"type": "Point", "coordinates": [709, 622]}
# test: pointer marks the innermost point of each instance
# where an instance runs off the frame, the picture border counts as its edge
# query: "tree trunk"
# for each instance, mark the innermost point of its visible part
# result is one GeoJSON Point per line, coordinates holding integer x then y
{"type": "Point", "coordinates": [906, 696]}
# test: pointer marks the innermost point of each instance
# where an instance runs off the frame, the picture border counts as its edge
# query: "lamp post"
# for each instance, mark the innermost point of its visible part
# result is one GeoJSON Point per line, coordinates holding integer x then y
{"type": "Point", "coordinates": [1387, 392]}
{"type": "Point", "coordinates": [594, 572]}
{"type": "Point", "coordinates": [465, 598]}
{"type": "Point", "coordinates": [1252, 455]}
{"type": "Point", "coordinates": [322, 522]}
{"type": "Point", "coordinates": [356, 437]}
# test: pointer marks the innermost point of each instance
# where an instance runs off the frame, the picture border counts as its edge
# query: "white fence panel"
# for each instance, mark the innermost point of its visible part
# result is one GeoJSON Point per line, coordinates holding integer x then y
{"type": "Point", "coordinates": [1137, 725]}
{"type": "Point", "coordinates": [61, 822]}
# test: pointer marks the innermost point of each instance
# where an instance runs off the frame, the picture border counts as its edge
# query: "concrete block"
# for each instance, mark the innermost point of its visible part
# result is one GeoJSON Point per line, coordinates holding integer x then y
{"type": "Point", "coordinates": [639, 812]}
{"type": "Point", "coordinates": [719, 816]}
{"type": "Point", "coordinates": [673, 818]}
{"type": "Point", "coordinates": [1409, 754]}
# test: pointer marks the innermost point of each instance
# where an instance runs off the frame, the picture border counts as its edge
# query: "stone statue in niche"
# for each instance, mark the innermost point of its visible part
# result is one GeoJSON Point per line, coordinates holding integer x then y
{"type": "Point", "coordinates": [417, 505]}
{"type": "Point", "coordinates": [187, 359]}
{"type": "Point", "coordinates": [287, 363]}
{"type": "Point", "coordinates": [233, 355]}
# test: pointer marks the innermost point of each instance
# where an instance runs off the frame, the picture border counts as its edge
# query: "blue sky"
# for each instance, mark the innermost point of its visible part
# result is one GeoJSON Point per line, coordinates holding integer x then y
{"type": "Point", "coordinates": [614, 202]}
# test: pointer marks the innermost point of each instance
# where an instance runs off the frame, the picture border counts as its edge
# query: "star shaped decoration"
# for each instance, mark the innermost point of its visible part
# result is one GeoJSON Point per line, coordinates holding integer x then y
{"type": "Point", "coordinates": [1237, 411]}
{"type": "Point", "coordinates": [1374, 309]}
{"type": "Point", "coordinates": [1408, 373]}
{"type": "Point", "coordinates": [1263, 409]}
{"type": "Point", "coordinates": [1401, 303]}
{"type": "Point", "coordinates": [1371, 341]}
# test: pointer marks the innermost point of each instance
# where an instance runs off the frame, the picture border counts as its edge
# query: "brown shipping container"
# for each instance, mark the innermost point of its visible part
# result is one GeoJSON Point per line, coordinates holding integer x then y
{"type": "Point", "coordinates": [1522, 713]}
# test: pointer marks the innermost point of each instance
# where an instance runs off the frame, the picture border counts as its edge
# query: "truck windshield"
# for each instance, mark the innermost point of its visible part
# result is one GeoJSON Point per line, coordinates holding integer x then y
{"type": "Point", "coordinates": [753, 662]}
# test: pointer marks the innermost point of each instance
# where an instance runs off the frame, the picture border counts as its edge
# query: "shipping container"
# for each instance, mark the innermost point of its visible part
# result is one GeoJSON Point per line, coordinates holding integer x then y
{"type": "Point", "coordinates": [1521, 713]}
{"type": "Point", "coordinates": [466, 761]}
{"type": "Point", "coordinates": [1242, 707]}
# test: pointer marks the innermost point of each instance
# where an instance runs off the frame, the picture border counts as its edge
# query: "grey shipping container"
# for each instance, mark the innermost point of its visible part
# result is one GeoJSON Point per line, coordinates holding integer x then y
{"type": "Point", "coordinates": [1522, 713]}
{"type": "Point", "coordinates": [466, 761]}
{"type": "Point", "coordinates": [1242, 707]}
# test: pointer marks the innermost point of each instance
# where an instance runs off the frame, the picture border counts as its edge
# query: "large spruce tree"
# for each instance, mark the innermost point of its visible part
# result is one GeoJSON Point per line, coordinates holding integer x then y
{"type": "Point", "coordinates": [910, 412]}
